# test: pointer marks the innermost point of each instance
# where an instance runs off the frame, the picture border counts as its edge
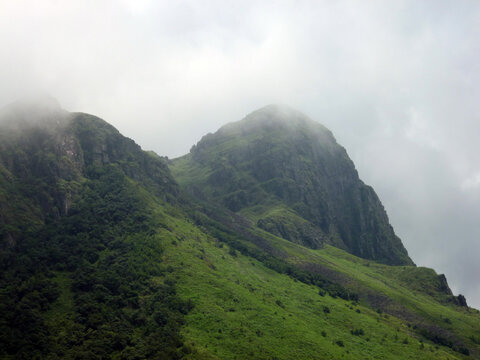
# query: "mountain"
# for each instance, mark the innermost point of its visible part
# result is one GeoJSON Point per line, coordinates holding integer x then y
{"type": "Point", "coordinates": [261, 243]}
{"type": "Point", "coordinates": [288, 175]}
{"type": "Point", "coordinates": [79, 246]}
{"type": "Point", "coordinates": [46, 153]}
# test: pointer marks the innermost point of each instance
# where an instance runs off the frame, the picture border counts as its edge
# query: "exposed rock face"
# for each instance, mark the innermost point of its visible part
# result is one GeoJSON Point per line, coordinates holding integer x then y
{"type": "Point", "coordinates": [278, 158]}
{"type": "Point", "coordinates": [461, 301]}
{"type": "Point", "coordinates": [102, 144]}
{"type": "Point", "coordinates": [46, 154]}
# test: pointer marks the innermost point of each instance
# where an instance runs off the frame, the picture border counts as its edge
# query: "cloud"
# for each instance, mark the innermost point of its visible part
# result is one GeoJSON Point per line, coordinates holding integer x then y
{"type": "Point", "coordinates": [472, 182]}
{"type": "Point", "coordinates": [396, 82]}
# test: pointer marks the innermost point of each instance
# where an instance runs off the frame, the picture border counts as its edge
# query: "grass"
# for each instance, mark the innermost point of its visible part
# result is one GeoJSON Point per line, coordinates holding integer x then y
{"type": "Point", "coordinates": [244, 310]}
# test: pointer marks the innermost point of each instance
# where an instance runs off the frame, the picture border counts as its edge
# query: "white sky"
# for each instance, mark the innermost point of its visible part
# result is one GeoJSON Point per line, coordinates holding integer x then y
{"type": "Point", "coordinates": [398, 83]}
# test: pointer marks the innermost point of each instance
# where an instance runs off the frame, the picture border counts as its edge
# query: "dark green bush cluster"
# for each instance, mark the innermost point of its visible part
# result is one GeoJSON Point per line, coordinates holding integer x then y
{"type": "Point", "coordinates": [357, 332]}
{"type": "Point", "coordinates": [437, 338]}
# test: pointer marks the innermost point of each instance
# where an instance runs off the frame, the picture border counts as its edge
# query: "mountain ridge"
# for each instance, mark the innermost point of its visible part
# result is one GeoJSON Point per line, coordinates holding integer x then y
{"type": "Point", "coordinates": [277, 153]}
{"type": "Point", "coordinates": [141, 267]}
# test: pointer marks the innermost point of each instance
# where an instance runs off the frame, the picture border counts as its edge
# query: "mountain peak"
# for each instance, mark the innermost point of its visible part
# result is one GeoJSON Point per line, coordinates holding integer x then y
{"type": "Point", "coordinates": [276, 117]}
{"type": "Point", "coordinates": [288, 174]}
{"type": "Point", "coordinates": [35, 102]}
{"type": "Point", "coordinates": [41, 99]}
{"type": "Point", "coordinates": [35, 110]}
{"type": "Point", "coordinates": [278, 111]}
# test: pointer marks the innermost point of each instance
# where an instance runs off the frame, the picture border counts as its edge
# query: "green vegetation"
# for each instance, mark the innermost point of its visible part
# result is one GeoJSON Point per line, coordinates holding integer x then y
{"type": "Point", "coordinates": [103, 256]}
{"type": "Point", "coordinates": [87, 288]}
{"type": "Point", "coordinates": [81, 243]}
{"type": "Point", "coordinates": [244, 309]}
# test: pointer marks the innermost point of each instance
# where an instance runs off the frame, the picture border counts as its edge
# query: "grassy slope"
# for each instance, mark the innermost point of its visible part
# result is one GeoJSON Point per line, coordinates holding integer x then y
{"type": "Point", "coordinates": [408, 289]}
{"type": "Point", "coordinates": [406, 293]}
{"type": "Point", "coordinates": [245, 310]}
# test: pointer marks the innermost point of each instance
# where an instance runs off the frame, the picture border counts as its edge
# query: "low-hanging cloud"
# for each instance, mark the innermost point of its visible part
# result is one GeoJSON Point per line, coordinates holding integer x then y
{"type": "Point", "coordinates": [396, 82]}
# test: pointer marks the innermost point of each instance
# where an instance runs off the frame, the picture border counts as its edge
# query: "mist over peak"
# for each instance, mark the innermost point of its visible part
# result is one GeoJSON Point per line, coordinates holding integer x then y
{"type": "Point", "coordinates": [35, 102]}
{"type": "Point", "coordinates": [278, 113]}
{"type": "Point", "coordinates": [34, 110]}
{"type": "Point", "coordinates": [275, 117]}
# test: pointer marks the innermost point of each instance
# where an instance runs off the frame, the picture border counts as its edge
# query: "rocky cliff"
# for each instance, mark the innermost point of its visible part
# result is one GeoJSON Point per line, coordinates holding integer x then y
{"type": "Point", "coordinates": [287, 173]}
{"type": "Point", "coordinates": [45, 155]}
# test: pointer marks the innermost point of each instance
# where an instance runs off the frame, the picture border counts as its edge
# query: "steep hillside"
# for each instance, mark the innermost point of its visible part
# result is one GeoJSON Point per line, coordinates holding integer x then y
{"type": "Point", "coordinates": [246, 307]}
{"type": "Point", "coordinates": [104, 256]}
{"type": "Point", "coordinates": [80, 241]}
{"type": "Point", "coordinates": [46, 153]}
{"type": "Point", "coordinates": [289, 176]}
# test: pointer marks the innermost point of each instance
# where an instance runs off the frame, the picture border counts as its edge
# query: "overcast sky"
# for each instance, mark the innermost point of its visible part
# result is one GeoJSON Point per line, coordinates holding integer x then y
{"type": "Point", "coordinates": [398, 83]}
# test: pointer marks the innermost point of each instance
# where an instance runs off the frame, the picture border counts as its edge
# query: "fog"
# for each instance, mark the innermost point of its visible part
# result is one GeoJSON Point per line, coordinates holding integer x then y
{"type": "Point", "coordinates": [397, 82]}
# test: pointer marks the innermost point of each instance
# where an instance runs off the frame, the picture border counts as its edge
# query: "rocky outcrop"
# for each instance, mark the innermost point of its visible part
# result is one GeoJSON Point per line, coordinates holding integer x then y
{"type": "Point", "coordinates": [277, 155]}
{"type": "Point", "coordinates": [47, 153]}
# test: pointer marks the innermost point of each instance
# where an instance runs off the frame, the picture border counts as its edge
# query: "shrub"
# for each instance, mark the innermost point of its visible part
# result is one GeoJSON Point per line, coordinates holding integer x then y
{"type": "Point", "coordinates": [357, 332]}
{"type": "Point", "coordinates": [232, 252]}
